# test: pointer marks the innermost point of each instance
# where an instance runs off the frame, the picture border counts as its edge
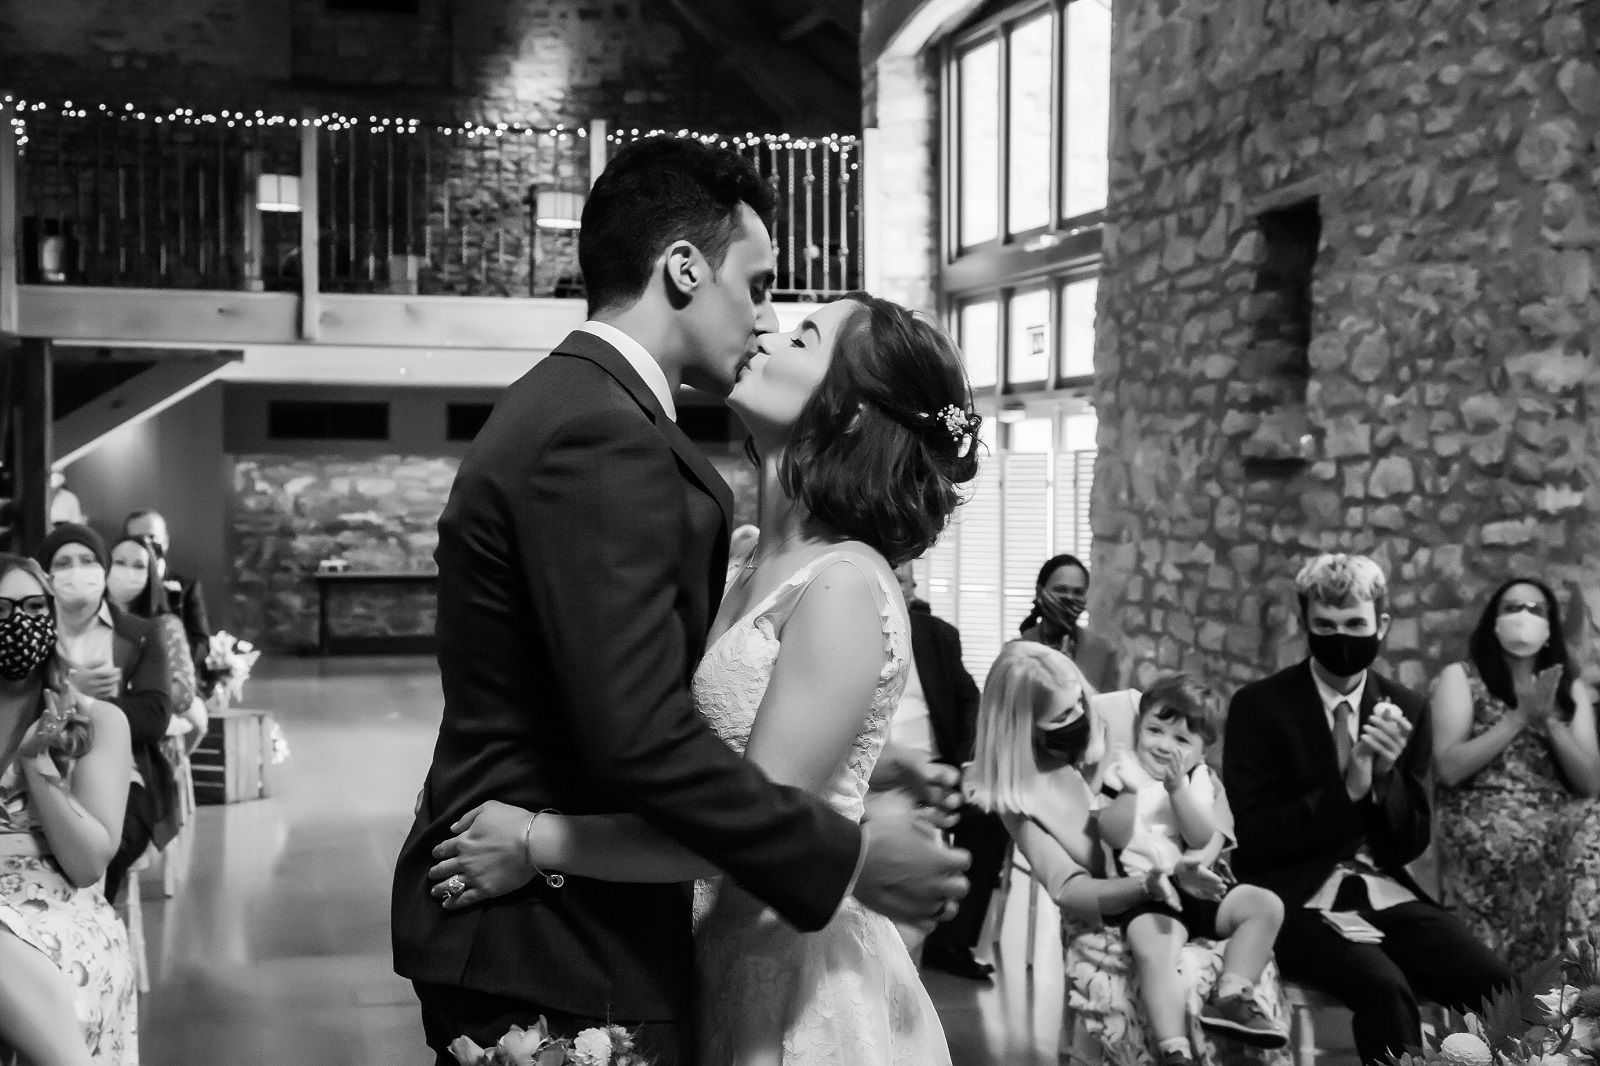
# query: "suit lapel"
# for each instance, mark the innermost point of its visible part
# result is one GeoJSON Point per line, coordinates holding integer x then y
{"type": "Point", "coordinates": [1314, 720]}
{"type": "Point", "coordinates": [585, 345]}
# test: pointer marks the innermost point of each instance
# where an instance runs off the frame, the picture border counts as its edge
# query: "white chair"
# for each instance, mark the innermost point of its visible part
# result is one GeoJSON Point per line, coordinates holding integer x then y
{"type": "Point", "coordinates": [1015, 864]}
{"type": "Point", "coordinates": [130, 908]}
{"type": "Point", "coordinates": [1303, 1002]}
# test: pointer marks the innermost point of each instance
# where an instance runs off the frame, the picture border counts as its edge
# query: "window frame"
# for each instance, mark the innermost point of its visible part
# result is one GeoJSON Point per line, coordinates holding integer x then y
{"type": "Point", "coordinates": [1065, 250]}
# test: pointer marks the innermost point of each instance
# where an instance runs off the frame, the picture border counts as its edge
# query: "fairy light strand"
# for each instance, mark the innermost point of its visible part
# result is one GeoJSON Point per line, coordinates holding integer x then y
{"type": "Point", "coordinates": [337, 121]}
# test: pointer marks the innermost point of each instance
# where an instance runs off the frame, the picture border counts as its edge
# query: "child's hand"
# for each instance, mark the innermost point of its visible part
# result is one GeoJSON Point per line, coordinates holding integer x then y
{"type": "Point", "coordinates": [1199, 880]}
{"type": "Point", "coordinates": [1174, 774]}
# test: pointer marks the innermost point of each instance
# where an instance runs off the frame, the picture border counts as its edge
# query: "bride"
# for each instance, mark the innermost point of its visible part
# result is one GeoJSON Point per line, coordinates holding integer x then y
{"type": "Point", "coordinates": [861, 422]}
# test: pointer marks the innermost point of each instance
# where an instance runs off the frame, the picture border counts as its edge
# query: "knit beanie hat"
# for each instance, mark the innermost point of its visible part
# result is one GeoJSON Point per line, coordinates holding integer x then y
{"type": "Point", "coordinates": [71, 533]}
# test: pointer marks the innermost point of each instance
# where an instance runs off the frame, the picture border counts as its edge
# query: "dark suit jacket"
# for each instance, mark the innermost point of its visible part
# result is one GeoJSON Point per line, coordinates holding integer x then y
{"type": "Point", "coordinates": [188, 601]}
{"type": "Point", "coordinates": [581, 557]}
{"type": "Point", "coordinates": [146, 700]}
{"type": "Point", "coordinates": [1294, 820]}
{"type": "Point", "coordinates": [951, 693]}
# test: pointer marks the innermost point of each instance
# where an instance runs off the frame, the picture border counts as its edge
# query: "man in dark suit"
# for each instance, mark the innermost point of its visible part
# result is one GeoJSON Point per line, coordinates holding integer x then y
{"type": "Point", "coordinates": [581, 558]}
{"type": "Point", "coordinates": [1326, 766]}
{"type": "Point", "coordinates": [937, 719]}
{"type": "Point", "coordinates": [184, 595]}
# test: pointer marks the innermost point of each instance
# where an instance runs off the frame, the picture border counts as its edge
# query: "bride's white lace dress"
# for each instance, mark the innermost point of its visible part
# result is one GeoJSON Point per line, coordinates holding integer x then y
{"type": "Point", "coordinates": [847, 995]}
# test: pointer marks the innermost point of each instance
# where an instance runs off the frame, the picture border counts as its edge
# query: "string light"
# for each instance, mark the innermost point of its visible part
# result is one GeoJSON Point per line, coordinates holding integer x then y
{"type": "Point", "coordinates": [332, 121]}
{"type": "Point", "coordinates": [336, 121]}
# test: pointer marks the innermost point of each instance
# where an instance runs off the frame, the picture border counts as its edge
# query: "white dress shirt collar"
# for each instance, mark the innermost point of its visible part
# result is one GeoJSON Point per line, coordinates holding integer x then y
{"type": "Point", "coordinates": [639, 359]}
{"type": "Point", "coordinates": [1332, 697]}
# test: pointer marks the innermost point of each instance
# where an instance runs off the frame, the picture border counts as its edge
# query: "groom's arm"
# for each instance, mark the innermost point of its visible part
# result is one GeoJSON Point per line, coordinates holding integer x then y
{"type": "Point", "coordinates": [600, 528]}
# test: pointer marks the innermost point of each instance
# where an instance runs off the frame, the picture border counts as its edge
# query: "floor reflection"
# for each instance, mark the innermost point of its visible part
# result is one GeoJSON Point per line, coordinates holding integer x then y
{"type": "Point", "coordinates": [275, 949]}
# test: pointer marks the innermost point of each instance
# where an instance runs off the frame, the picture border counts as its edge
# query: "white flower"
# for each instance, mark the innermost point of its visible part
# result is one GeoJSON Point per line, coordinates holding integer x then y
{"type": "Point", "coordinates": [1464, 1049]}
{"type": "Point", "coordinates": [1586, 1033]}
{"type": "Point", "coordinates": [1558, 1001]}
{"type": "Point", "coordinates": [466, 1052]}
{"type": "Point", "coordinates": [592, 1048]}
{"type": "Point", "coordinates": [520, 1046]}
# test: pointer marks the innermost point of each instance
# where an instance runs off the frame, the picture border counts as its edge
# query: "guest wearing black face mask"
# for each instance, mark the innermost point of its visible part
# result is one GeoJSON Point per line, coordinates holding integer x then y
{"type": "Point", "coordinates": [67, 991]}
{"type": "Point", "coordinates": [1059, 598]}
{"type": "Point", "coordinates": [1326, 764]}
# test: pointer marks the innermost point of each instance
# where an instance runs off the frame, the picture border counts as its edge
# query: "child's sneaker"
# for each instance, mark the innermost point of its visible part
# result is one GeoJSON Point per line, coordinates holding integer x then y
{"type": "Point", "coordinates": [1176, 1058]}
{"type": "Point", "coordinates": [1240, 1017]}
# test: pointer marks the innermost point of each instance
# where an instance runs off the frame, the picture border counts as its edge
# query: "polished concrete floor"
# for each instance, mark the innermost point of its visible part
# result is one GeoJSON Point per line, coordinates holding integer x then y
{"type": "Point", "coordinates": [275, 948]}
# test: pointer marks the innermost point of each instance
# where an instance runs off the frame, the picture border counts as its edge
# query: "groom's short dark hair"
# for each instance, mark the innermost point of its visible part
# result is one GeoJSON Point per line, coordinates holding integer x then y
{"type": "Point", "coordinates": [656, 191]}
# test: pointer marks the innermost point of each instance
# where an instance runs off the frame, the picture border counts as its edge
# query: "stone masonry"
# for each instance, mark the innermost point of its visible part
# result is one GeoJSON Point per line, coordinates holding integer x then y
{"type": "Point", "coordinates": [1443, 423]}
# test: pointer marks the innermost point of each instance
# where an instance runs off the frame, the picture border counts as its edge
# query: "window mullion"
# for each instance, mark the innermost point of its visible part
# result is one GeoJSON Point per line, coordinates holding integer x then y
{"type": "Point", "coordinates": [1004, 162]}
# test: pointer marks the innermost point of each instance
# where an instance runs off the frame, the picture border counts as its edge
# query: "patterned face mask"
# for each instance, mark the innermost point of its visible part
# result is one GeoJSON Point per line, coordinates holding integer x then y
{"type": "Point", "coordinates": [25, 643]}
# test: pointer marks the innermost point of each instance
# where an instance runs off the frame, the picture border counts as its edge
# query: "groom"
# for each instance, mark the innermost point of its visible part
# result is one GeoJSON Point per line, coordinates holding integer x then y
{"type": "Point", "coordinates": [581, 559]}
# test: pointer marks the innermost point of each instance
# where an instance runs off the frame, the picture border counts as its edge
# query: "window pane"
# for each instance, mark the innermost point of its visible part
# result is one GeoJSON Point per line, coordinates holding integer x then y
{"type": "Point", "coordinates": [1031, 82]}
{"type": "Point", "coordinates": [1032, 436]}
{"type": "Point", "coordinates": [1029, 355]}
{"type": "Point", "coordinates": [1077, 328]}
{"type": "Point", "coordinates": [980, 342]}
{"type": "Point", "coordinates": [1088, 114]}
{"type": "Point", "coordinates": [978, 143]}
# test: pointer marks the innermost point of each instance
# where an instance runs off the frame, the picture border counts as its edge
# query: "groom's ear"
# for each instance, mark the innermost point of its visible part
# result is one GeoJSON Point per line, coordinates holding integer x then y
{"type": "Point", "coordinates": [684, 268]}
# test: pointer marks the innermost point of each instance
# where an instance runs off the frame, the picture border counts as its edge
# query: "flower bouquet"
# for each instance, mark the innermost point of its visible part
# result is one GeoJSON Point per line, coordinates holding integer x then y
{"type": "Point", "coordinates": [1551, 1017]}
{"type": "Point", "coordinates": [611, 1046]}
{"type": "Point", "coordinates": [228, 663]}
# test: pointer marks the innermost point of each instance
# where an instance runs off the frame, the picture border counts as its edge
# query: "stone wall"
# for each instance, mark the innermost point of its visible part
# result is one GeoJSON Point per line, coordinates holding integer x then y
{"type": "Point", "coordinates": [291, 512]}
{"type": "Point", "coordinates": [1442, 420]}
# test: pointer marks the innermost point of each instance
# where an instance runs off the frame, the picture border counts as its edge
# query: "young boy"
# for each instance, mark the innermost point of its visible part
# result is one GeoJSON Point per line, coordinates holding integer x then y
{"type": "Point", "coordinates": [1163, 815]}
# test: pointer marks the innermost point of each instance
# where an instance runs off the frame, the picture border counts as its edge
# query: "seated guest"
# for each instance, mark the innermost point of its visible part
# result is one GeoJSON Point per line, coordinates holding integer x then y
{"type": "Point", "coordinates": [1515, 752]}
{"type": "Point", "coordinates": [1326, 765]}
{"type": "Point", "coordinates": [935, 720]}
{"type": "Point", "coordinates": [1059, 597]}
{"type": "Point", "coordinates": [66, 977]}
{"type": "Point", "coordinates": [1165, 819]}
{"type": "Point", "coordinates": [184, 594]}
{"type": "Point", "coordinates": [135, 584]}
{"type": "Point", "coordinates": [1037, 746]}
{"type": "Point", "coordinates": [113, 656]}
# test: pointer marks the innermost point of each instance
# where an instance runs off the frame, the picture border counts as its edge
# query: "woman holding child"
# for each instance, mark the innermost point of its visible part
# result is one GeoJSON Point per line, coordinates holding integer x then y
{"type": "Point", "coordinates": [1165, 820]}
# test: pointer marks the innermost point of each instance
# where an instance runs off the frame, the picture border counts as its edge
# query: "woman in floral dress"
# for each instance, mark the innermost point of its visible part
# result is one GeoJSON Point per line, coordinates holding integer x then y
{"type": "Point", "coordinates": [1518, 762]}
{"type": "Point", "coordinates": [66, 977]}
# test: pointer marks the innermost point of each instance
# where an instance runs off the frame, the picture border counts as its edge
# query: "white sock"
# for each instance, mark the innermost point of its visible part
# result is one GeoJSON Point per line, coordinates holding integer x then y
{"type": "Point", "coordinates": [1177, 1043]}
{"type": "Point", "coordinates": [1232, 984]}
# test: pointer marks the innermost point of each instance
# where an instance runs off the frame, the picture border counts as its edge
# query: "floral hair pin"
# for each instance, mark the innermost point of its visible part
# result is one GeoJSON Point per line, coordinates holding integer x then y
{"type": "Point", "coordinates": [961, 425]}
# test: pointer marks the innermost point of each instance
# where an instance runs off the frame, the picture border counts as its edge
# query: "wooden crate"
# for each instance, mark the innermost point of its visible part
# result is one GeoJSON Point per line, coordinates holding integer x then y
{"type": "Point", "coordinates": [233, 763]}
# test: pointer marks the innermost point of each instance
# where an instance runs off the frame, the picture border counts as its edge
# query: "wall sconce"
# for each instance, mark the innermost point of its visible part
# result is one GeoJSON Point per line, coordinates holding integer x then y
{"type": "Point", "coordinates": [278, 192]}
{"type": "Point", "coordinates": [558, 209]}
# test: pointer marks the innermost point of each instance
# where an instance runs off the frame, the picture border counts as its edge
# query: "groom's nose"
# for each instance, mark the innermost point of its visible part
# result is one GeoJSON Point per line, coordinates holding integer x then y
{"type": "Point", "coordinates": [766, 318]}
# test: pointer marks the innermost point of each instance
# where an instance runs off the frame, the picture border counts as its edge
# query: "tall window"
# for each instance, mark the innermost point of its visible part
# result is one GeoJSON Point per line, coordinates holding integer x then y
{"type": "Point", "coordinates": [1024, 195]}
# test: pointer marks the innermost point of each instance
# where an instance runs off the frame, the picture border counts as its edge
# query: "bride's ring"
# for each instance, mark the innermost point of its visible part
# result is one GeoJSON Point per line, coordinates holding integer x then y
{"type": "Point", "coordinates": [454, 887]}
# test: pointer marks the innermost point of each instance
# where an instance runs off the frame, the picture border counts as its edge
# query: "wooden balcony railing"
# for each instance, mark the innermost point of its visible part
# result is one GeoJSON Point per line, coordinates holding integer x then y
{"type": "Point", "coordinates": [122, 198]}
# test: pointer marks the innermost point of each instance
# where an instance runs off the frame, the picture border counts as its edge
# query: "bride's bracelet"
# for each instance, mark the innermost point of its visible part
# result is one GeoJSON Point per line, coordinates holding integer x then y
{"type": "Point", "coordinates": [553, 880]}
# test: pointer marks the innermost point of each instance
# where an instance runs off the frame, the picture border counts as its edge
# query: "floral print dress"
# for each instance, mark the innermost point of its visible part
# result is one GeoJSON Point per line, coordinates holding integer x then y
{"type": "Point", "coordinates": [1521, 855]}
{"type": "Point", "coordinates": [74, 927]}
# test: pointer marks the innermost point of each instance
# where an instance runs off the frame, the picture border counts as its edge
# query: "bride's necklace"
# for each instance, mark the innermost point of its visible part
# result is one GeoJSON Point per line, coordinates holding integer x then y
{"type": "Point", "coordinates": [756, 559]}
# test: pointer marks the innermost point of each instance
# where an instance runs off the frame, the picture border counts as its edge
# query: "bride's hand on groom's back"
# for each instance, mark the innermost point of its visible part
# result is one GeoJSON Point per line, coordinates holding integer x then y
{"type": "Point", "coordinates": [933, 785]}
{"type": "Point", "coordinates": [909, 873]}
{"type": "Point", "coordinates": [487, 853]}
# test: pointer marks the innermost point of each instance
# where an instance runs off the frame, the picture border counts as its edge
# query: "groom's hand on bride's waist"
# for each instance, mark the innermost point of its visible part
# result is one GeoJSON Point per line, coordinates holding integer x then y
{"type": "Point", "coordinates": [908, 873]}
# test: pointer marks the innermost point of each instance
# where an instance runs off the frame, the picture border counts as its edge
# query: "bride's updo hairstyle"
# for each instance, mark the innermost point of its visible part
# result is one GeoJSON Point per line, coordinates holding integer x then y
{"type": "Point", "coordinates": [889, 433]}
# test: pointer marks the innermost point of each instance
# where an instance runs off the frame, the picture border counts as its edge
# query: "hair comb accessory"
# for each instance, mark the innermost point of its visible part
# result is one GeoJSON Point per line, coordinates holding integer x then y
{"type": "Point", "coordinates": [961, 425]}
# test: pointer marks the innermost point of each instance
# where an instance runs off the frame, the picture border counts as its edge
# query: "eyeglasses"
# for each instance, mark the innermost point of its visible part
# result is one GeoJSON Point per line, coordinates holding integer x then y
{"type": "Point", "coordinates": [30, 606]}
{"type": "Point", "coordinates": [1536, 608]}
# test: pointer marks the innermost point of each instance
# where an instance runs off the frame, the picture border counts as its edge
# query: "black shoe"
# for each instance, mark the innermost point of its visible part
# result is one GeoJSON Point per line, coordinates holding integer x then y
{"type": "Point", "coordinates": [1240, 1017]}
{"type": "Point", "coordinates": [1176, 1058]}
{"type": "Point", "coordinates": [956, 960]}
